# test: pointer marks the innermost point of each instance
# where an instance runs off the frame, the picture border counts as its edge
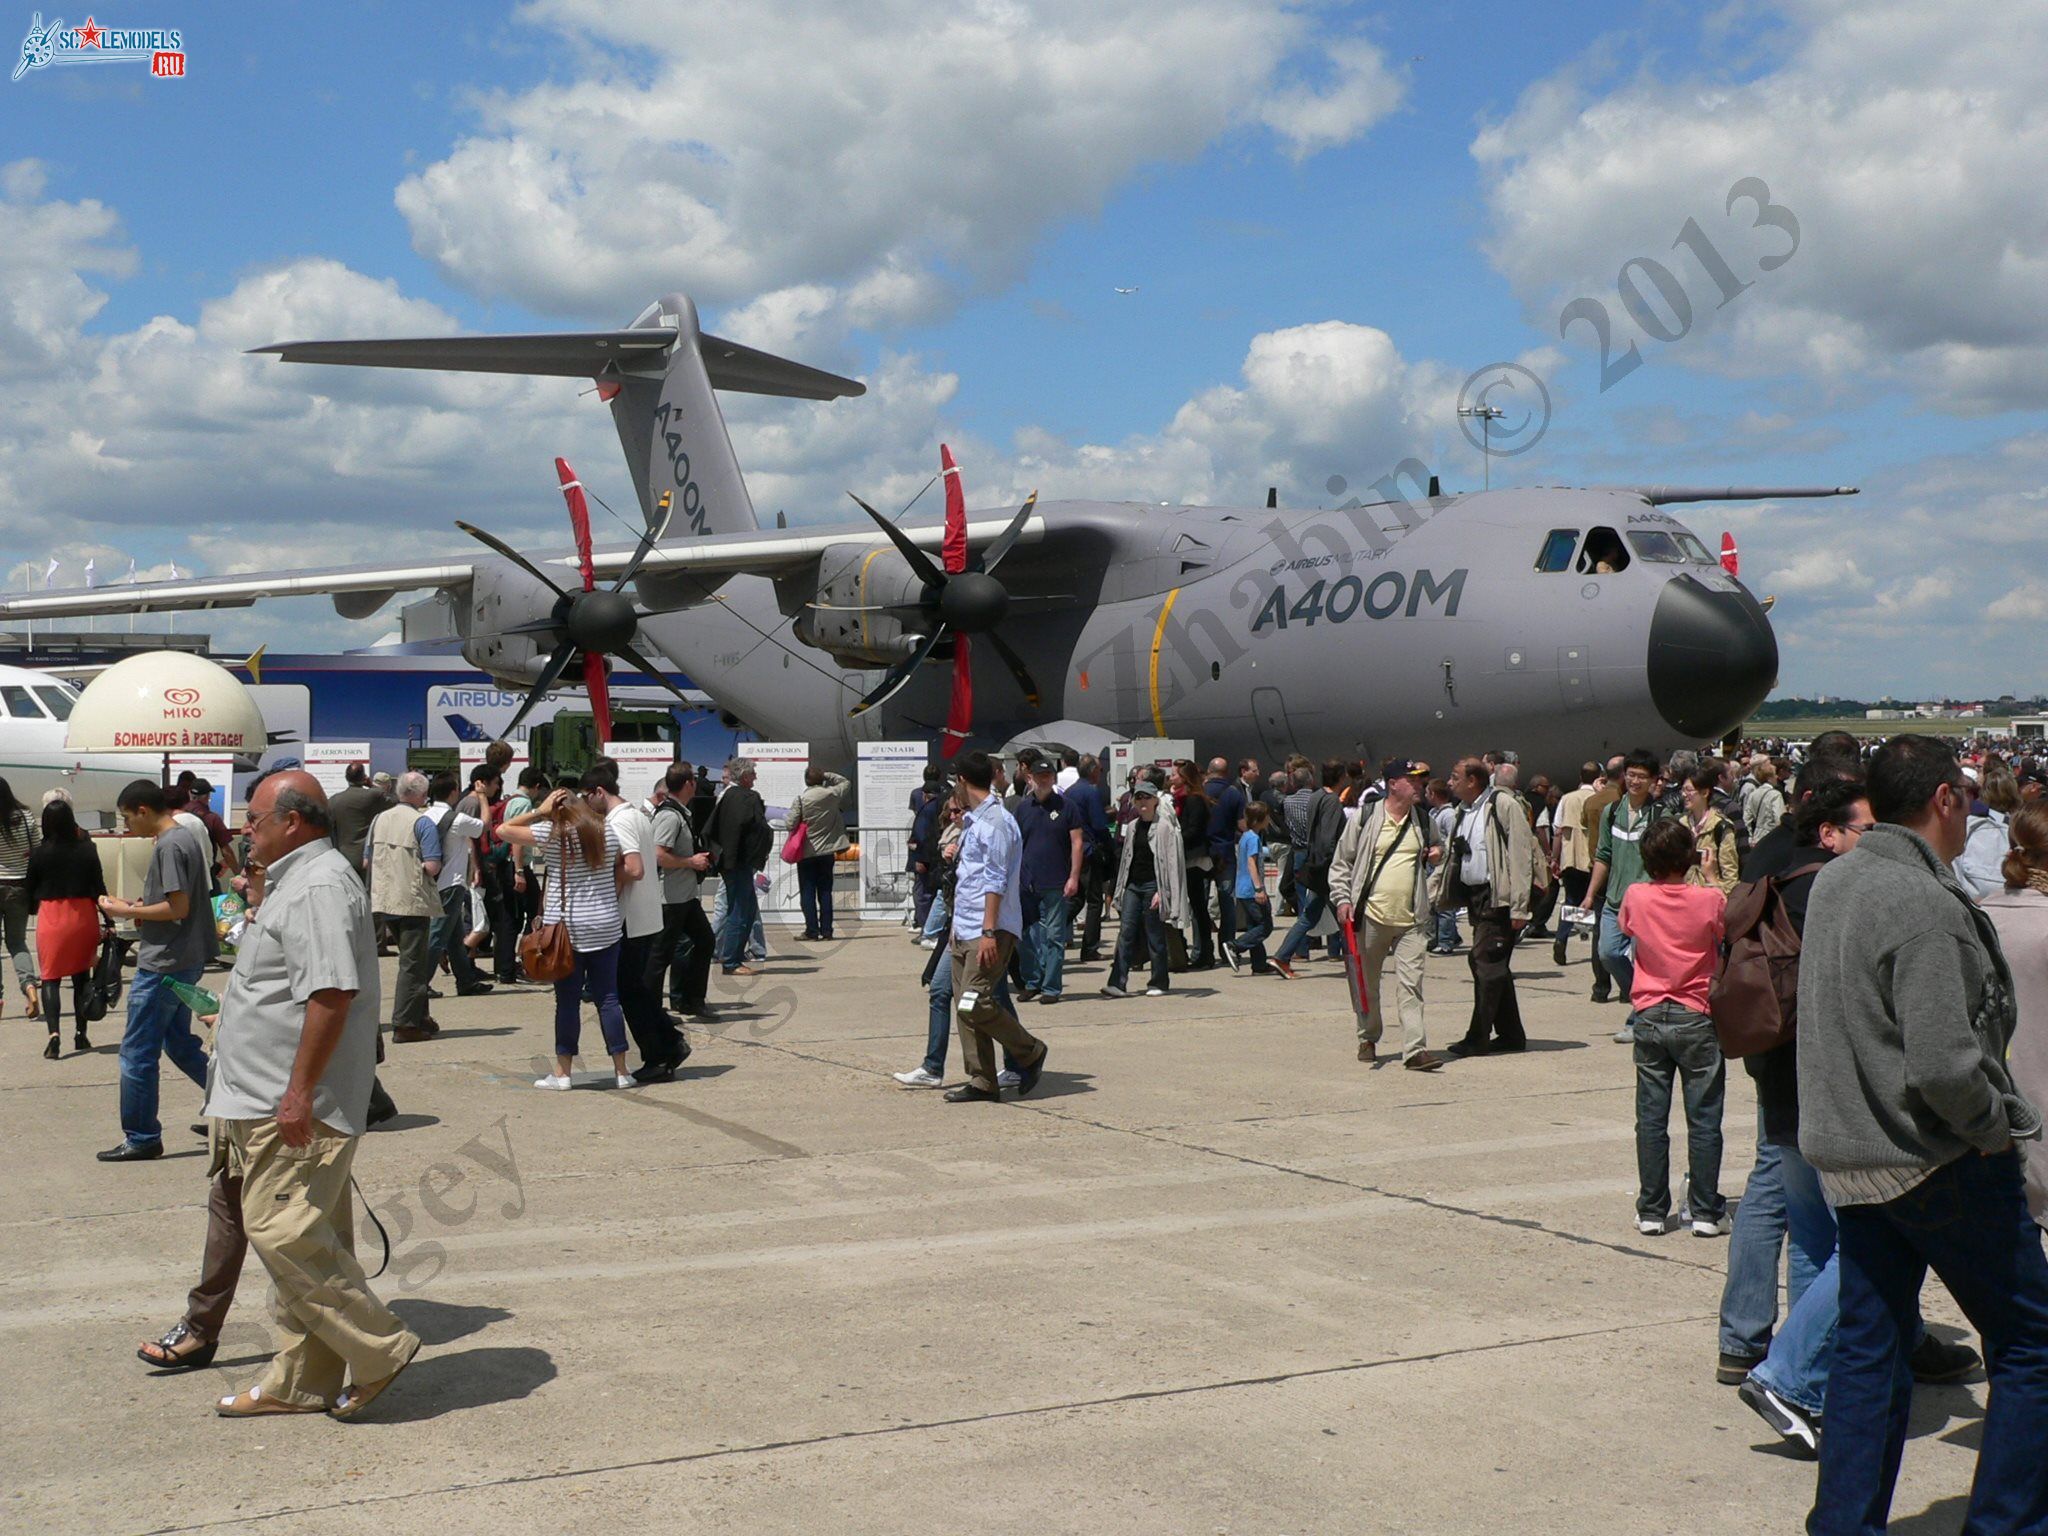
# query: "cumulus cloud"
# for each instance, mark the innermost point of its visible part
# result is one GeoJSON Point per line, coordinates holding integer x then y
{"type": "Point", "coordinates": [878, 157]}
{"type": "Point", "coordinates": [1906, 142]}
{"type": "Point", "coordinates": [50, 246]}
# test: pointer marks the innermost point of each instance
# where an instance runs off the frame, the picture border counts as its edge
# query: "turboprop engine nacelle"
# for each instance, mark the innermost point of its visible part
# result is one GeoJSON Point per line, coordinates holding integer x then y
{"type": "Point", "coordinates": [843, 616]}
{"type": "Point", "coordinates": [501, 598]}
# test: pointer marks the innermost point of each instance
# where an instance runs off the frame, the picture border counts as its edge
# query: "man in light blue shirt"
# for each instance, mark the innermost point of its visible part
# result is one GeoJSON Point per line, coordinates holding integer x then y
{"type": "Point", "coordinates": [987, 918]}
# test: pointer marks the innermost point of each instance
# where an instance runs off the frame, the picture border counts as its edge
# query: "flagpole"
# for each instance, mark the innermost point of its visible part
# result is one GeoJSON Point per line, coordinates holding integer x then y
{"type": "Point", "coordinates": [28, 585]}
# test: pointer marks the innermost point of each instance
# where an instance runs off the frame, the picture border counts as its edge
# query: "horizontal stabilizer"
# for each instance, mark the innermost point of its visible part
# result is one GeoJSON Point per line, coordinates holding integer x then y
{"type": "Point", "coordinates": [1659, 495]}
{"type": "Point", "coordinates": [579, 355]}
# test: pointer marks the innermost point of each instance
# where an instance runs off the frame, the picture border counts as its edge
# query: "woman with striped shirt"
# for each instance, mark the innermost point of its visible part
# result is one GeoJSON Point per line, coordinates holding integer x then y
{"type": "Point", "coordinates": [18, 840]}
{"type": "Point", "coordinates": [585, 867]}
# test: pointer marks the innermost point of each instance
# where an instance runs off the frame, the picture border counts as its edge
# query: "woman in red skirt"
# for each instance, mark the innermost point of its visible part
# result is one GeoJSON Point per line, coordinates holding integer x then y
{"type": "Point", "coordinates": [64, 887]}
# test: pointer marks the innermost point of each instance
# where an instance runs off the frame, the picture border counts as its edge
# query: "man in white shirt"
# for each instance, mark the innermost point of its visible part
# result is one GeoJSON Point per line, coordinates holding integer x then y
{"type": "Point", "coordinates": [661, 1042]}
{"type": "Point", "coordinates": [458, 834]}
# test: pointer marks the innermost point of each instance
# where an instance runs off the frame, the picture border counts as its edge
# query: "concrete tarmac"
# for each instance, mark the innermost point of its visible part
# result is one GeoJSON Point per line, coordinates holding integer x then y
{"type": "Point", "coordinates": [1215, 1276]}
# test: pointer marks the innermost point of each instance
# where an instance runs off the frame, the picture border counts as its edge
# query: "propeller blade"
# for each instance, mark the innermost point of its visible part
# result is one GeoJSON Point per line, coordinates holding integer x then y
{"type": "Point", "coordinates": [991, 557]}
{"type": "Point", "coordinates": [600, 696]}
{"type": "Point", "coordinates": [663, 511]}
{"type": "Point", "coordinates": [954, 551]}
{"type": "Point", "coordinates": [643, 665]}
{"type": "Point", "coordinates": [579, 521]}
{"type": "Point", "coordinates": [960, 707]}
{"type": "Point", "coordinates": [558, 663]}
{"type": "Point", "coordinates": [920, 562]}
{"type": "Point", "coordinates": [499, 546]}
{"type": "Point", "coordinates": [899, 674]}
{"type": "Point", "coordinates": [1025, 683]}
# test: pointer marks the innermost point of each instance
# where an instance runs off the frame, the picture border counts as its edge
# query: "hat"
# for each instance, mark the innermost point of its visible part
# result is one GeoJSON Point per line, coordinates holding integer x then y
{"type": "Point", "coordinates": [1037, 763]}
{"type": "Point", "coordinates": [1145, 787]}
{"type": "Point", "coordinates": [383, 778]}
{"type": "Point", "coordinates": [1970, 772]}
{"type": "Point", "coordinates": [1402, 768]}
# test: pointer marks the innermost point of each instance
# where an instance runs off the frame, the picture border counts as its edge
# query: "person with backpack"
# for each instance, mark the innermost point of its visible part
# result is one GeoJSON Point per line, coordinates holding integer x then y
{"type": "Point", "coordinates": [1675, 927]}
{"type": "Point", "coordinates": [1720, 859]}
{"type": "Point", "coordinates": [1755, 1000]}
{"type": "Point", "coordinates": [1982, 866]}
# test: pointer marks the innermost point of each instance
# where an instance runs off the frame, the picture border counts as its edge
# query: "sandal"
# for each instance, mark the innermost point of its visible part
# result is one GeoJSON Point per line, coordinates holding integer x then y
{"type": "Point", "coordinates": [50, 1051]}
{"type": "Point", "coordinates": [355, 1398]}
{"type": "Point", "coordinates": [174, 1358]}
{"type": "Point", "coordinates": [35, 1003]}
{"type": "Point", "coordinates": [252, 1404]}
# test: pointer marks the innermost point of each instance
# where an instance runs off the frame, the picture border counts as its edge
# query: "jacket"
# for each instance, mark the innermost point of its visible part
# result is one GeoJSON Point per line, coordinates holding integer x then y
{"type": "Point", "coordinates": [1226, 815]}
{"type": "Point", "coordinates": [1170, 860]}
{"type": "Point", "coordinates": [822, 810]}
{"type": "Point", "coordinates": [1325, 826]}
{"type": "Point", "coordinates": [399, 883]}
{"type": "Point", "coordinates": [1515, 866]}
{"type": "Point", "coordinates": [1905, 1012]}
{"type": "Point", "coordinates": [351, 812]}
{"type": "Point", "coordinates": [1762, 811]}
{"type": "Point", "coordinates": [737, 835]}
{"type": "Point", "coordinates": [1721, 867]}
{"type": "Point", "coordinates": [1981, 864]}
{"type": "Point", "coordinates": [65, 872]}
{"type": "Point", "coordinates": [1354, 860]}
{"type": "Point", "coordinates": [2021, 918]}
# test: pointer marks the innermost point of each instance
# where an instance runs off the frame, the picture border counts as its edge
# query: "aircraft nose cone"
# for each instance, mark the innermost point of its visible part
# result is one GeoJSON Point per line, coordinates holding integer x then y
{"type": "Point", "coordinates": [1713, 658]}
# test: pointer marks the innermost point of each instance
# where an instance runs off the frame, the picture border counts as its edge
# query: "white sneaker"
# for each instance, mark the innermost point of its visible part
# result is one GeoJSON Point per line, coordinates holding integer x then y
{"type": "Point", "coordinates": [917, 1077]}
{"type": "Point", "coordinates": [1007, 1079]}
{"type": "Point", "coordinates": [927, 943]}
{"type": "Point", "coordinates": [1649, 1226]}
{"type": "Point", "coordinates": [552, 1080]}
{"type": "Point", "coordinates": [1114, 991]}
{"type": "Point", "coordinates": [1236, 960]}
{"type": "Point", "coordinates": [621, 1080]}
{"type": "Point", "coordinates": [1155, 991]}
{"type": "Point", "coordinates": [1718, 1227]}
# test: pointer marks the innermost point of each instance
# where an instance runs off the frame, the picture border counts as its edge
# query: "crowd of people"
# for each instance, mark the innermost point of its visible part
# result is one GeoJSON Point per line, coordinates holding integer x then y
{"type": "Point", "coordinates": [1865, 929]}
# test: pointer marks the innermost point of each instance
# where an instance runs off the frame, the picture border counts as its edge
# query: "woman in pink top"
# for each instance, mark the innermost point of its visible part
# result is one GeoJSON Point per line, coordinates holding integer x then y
{"type": "Point", "coordinates": [2020, 914]}
{"type": "Point", "coordinates": [1675, 928]}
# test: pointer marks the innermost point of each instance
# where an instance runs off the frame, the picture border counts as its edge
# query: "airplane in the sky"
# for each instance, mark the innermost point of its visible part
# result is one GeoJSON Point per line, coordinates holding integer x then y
{"type": "Point", "coordinates": [1561, 623]}
{"type": "Point", "coordinates": [1132, 289]}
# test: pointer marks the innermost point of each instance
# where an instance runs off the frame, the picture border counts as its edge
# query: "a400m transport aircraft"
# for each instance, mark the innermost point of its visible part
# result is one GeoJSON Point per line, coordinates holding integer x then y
{"type": "Point", "coordinates": [1563, 623]}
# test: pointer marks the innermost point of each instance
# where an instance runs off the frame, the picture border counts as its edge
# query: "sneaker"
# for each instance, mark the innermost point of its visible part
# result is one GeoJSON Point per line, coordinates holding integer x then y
{"type": "Point", "coordinates": [927, 943]}
{"type": "Point", "coordinates": [623, 1080]}
{"type": "Point", "coordinates": [553, 1080]}
{"type": "Point", "coordinates": [1114, 991]}
{"type": "Point", "coordinates": [1155, 991]}
{"type": "Point", "coordinates": [1650, 1226]}
{"type": "Point", "coordinates": [1733, 1370]}
{"type": "Point", "coordinates": [1794, 1424]}
{"type": "Point", "coordinates": [1624, 1036]}
{"type": "Point", "coordinates": [1008, 1079]}
{"type": "Point", "coordinates": [1236, 960]}
{"type": "Point", "coordinates": [917, 1077]}
{"type": "Point", "coordinates": [1717, 1227]}
{"type": "Point", "coordinates": [1935, 1363]}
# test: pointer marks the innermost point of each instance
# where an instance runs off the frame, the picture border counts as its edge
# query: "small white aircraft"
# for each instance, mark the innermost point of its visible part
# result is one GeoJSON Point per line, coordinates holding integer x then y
{"type": "Point", "coordinates": [1132, 289]}
{"type": "Point", "coordinates": [34, 707]}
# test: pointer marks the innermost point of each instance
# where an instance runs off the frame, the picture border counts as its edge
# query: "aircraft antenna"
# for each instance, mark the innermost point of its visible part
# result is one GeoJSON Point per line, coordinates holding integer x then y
{"type": "Point", "coordinates": [1488, 415]}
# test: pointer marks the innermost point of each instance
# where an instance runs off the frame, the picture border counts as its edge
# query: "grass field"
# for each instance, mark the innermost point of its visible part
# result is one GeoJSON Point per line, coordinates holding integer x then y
{"type": "Point", "coordinates": [1806, 730]}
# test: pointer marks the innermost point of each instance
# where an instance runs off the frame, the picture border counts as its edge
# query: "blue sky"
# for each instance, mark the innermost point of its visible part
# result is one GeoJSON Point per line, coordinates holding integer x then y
{"type": "Point", "coordinates": [1285, 182]}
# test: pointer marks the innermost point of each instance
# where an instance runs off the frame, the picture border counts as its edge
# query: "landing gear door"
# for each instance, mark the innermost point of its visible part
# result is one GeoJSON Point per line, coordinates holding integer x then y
{"type": "Point", "coordinates": [1275, 734]}
{"type": "Point", "coordinates": [1575, 676]}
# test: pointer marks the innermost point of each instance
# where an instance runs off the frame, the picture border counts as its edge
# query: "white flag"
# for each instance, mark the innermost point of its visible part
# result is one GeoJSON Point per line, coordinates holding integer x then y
{"type": "Point", "coordinates": [88, 571]}
{"type": "Point", "coordinates": [50, 574]}
{"type": "Point", "coordinates": [174, 570]}
{"type": "Point", "coordinates": [131, 573]}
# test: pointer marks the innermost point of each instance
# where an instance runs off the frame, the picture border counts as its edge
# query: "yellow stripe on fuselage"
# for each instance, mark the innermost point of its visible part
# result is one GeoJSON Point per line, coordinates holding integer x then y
{"type": "Point", "coordinates": [1158, 638]}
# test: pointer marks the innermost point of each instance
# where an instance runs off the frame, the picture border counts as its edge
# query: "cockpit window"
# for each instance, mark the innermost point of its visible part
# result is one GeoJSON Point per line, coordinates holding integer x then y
{"type": "Point", "coordinates": [56, 700]}
{"type": "Point", "coordinates": [1557, 550]}
{"type": "Point", "coordinates": [1604, 553]}
{"type": "Point", "coordinates": [19, 704]}
{"type": "Point", "coordinates": [1695, 551]}
{"type": "Point", "coordinates": [1654, 544]}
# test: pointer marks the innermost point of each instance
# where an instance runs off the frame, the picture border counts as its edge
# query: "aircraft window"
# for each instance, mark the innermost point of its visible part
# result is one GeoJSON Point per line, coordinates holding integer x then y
{"type": "Point", "coordinates": [1695, 551]}
{"type": "Point", "coordinates": [1557, 550]}
{"type": "Point", "coordinates": [1653, 544]}
{"type": "Point", "coordinates": [19, 704]}
{"type": "Point", "coordinates": [1604, 553]}
{"type": "Point", "coordinates": [57, 701]}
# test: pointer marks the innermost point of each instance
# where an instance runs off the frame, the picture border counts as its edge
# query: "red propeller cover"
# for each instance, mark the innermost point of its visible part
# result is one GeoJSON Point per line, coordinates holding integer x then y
{"type": "Point", "coordinates": [600, 696]}
{"type": "Point", "coordinates": [953, 554]}
{"type": "Point", "coordinates": [960, 711]}
{"type": "Point", "coordinates": [579, 520]}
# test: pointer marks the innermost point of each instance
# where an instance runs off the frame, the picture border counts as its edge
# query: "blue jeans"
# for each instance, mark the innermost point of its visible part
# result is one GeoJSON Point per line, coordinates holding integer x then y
{"type": "Point", "coordinates": [1223, 876]}
{"type": "Point", "coordinates": [742, 911]}
{"type": "Point", "coordinates": [158, 1024]}
{"type": "Point", "coordinates": [1446, 936]}
{"type": "Point", "coordinates": [599, 969]}
{"type": "Point", "coordinates": [1672, 1041]}
{"type": "Point", "coordinates": [1749, 1300]}
{"type": "Point", "coordinates": [1042, 956]}
{"type": "Point", "coordinates": [1968, 1222]}
{"type": "Point", "coordinates": [942, 1015]}
{"type": "Point", "coordinates": [1138, 920]}
{"type": "Point", "coordinates": [1797, 1366]}
{"type": "Point", "coordinates": [938, 922]}
{"type": "Point", "coordinates": [1254, 927]}
{"type": "Point", "coordinates": [1309, 905]}
{"type": "Point", "coordinates": [814, 894]}
{"type": "Point", "coordinates": [1615, 955]}
{"type": "Point", "coordinates": [445, 936]}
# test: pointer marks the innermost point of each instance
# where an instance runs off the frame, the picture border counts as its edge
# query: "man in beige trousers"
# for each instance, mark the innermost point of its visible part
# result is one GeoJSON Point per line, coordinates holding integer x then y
{"type": "Point", "coordinates": [294, 1057]}
{"type": "Point", "coordinates": [1380, 879]}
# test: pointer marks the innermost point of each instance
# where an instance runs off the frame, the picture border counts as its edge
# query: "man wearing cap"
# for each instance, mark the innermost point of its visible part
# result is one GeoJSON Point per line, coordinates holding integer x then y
{"type": "Point", "coordinates": [1051, 876]}
{"type": "Point", "coordinates": [1380, 880]}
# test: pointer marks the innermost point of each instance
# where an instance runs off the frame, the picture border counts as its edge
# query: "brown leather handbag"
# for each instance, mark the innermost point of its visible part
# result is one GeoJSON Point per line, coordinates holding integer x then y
{"type": "Point", "coordinates": [545, 950]}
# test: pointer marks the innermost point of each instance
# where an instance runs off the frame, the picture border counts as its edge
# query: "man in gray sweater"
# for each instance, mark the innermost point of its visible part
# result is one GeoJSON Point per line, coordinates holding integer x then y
{"type": "Point", "coordinates": [1910, 1118]}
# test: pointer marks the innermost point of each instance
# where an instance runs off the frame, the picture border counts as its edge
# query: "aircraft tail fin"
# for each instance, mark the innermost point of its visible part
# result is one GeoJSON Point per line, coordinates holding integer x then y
{"type": "Point", "coordinates": [658, 375]}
